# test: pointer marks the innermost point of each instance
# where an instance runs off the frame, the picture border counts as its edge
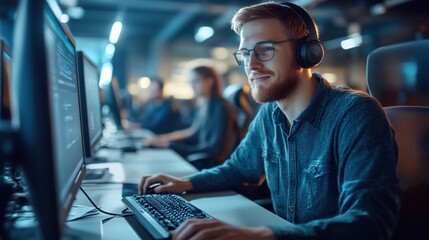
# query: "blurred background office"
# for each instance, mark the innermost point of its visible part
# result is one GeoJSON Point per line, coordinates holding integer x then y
{"type": "Point", "coordinates": [133, 39]}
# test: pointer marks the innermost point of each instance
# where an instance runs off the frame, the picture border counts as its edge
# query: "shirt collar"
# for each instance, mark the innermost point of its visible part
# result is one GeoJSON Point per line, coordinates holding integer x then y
{"type": "Point", "coordinates": [314, 111]}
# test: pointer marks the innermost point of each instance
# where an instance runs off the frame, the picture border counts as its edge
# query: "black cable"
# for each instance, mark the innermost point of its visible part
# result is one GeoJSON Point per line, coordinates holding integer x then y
{"type": "Point", "coordinates": [108, 213]}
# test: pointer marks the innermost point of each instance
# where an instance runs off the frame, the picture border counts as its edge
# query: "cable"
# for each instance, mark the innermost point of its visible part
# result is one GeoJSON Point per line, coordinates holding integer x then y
{"type": "Point", "coordinates": [123, 214]}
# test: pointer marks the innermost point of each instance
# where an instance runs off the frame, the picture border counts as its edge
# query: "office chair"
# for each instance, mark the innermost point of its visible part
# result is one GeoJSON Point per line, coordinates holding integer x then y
{"type": "Point", "coordinates": [230, 137]}
{"type": "Point", "coordinates": [246, 109]}
{"type": "Point", "coordinates": [398, 74]}
{"type": "Point", "coordinates": [411, 126]}
{"type": "Point", "coordinates": [229, 142]}
{"type": "Point", "coordinates": [397, 77]}
{"type": "Point", "coordinates": [244, 106]}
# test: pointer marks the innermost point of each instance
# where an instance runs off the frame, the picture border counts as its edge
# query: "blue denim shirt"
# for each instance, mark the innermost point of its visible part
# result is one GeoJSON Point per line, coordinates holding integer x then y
{"type": "Point", "coordinates": [332, 173]}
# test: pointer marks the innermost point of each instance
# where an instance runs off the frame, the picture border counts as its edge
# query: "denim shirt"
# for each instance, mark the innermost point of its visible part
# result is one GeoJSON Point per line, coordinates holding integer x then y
{"type": "Point", "coordinates": [332, 173]}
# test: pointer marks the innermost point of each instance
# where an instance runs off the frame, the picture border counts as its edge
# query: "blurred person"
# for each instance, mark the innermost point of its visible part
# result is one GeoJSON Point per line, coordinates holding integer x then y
{"type": "Point", "coordinates": [328, 153]}
{"type": "Point", "coordinates": [160, 114]}
{"type": "Point", "coordinates": [205, 138]}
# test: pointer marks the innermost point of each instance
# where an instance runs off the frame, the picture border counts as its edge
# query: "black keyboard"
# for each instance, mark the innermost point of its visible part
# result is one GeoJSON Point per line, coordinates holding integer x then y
{"type": "Point", "coordinates": [161, 213]}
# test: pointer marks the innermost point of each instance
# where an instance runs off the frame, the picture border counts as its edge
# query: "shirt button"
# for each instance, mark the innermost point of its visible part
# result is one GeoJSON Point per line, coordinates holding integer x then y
{"type": "Point", "coordinates": [291, 209]}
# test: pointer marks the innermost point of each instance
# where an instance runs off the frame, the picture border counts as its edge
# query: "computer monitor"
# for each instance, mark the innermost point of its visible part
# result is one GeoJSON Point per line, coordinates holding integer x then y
{"type": "Point", "coordinates": [5, 77]}
{"type": "Point", "coordinates": [45, 84]}
{"type": "Point", "coordinates": [113, 101]}
{"type": "Point", "coordinates": [7, 173]}
{"type": "Point", "coordinates": [90, 102]}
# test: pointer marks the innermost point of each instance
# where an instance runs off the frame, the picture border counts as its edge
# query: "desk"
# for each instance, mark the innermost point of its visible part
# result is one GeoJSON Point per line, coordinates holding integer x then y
{"type": "Point", "coordinates": [147, 161]}
{"type": "Point", "coordinates": [228, 206]}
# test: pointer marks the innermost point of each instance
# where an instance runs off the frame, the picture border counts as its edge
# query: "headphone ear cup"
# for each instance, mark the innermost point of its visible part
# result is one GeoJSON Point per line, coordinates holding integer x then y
{"type": "Point", "coordinates": [301, 51]}
{"type": "Point", "coordinates": [309, 53]}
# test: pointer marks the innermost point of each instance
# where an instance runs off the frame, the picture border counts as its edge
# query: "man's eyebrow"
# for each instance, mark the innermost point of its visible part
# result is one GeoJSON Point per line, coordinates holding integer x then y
{"type": "Point", "coordinates": [261, 42]}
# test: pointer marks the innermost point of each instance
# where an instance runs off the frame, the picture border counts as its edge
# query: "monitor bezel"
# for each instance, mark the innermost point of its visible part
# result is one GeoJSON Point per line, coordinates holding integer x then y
{"type": "Point", "coordinates": [90, 144]}
{"type": "Point", "coordinates": [30, 91]}
{"type": "Point", "coordinates": [113, 101]}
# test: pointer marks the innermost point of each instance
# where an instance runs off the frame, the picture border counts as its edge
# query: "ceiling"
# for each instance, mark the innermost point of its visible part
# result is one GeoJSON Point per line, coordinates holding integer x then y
{"type": "Point", "coordinates": [152, 25]}
{"type": "Point", "coordinates": [175, 21]}
{"type": "Point", "coordinates": [172, 23]}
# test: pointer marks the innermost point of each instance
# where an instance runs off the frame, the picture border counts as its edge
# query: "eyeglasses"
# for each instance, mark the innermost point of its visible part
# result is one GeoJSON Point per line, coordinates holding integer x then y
{"type": "Point", "coordinates": [264, 51]}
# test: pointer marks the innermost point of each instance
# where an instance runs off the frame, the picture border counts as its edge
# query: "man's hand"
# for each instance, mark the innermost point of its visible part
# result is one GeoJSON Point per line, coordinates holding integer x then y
{"type": "Point", "coordinates": [156, 141]}
{"type": "Point", "coordinates": [169, 184]}
{"type": "Point", "coordinates": [213, 229]}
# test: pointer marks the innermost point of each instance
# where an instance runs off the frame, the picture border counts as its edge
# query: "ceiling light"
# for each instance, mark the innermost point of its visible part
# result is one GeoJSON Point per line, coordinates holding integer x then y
{"type": "Point", "coordinates": [106, 74]}
{"type": "Point", "coordinates": [68, 3]}
{"type": "Point", "coordinates": [203, 33]}
{"type": "Point", "coordinates": [144, 82]}
{"type": "Point", "coordinates": [75, 12]}
{"type": "Point", "coordinates": [354, 40]}
{"type": "Point", "coordinates": [110, 50]}
{"type": "Point", "coordinates": [115, 32]}
{"type": "Point", "coordinates": [64, 18]}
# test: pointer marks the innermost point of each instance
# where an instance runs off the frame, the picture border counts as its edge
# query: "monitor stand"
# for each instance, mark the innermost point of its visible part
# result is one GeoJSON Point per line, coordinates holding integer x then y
{"type": "Point", "coordinates": [96, 159]}
{"type": "Point", "coordinates": [83, 229]}
{"type": "Point", "coordinates": [95, 173]}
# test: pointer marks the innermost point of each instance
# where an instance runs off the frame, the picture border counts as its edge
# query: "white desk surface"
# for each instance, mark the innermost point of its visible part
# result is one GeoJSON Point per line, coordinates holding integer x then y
{"type": "Point", "coordinates": [229, 207]}
{"type": "Point", "coordinates": [145, 162]}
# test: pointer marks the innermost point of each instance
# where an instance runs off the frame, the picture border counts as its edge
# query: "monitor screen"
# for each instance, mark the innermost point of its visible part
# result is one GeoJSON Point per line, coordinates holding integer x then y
{"type": "Point", "coordinates": [46, 86]}
{"type": "Point", "coordinates": [64, 104]}
{"type": "Point", "coordinates": [90, 103]}
{"type": "Point", "coordinates": [5, 77]}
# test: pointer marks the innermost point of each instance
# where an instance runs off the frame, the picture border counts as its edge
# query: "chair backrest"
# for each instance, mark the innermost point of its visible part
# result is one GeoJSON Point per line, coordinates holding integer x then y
{"type": "Point", "coordinates": [411, 127]}
{"type": "Point", "coordinates": [243, 104]}
{"type": "Point", "coordinates": [231, 136]}
{"type": "Point", "coordinates": [228, 138]}
{"type": "Point", "coordinates": [398, 74]}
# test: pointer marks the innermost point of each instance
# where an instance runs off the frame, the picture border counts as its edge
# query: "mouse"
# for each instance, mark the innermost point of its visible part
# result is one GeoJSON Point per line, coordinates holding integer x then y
{"type": "Point", "coordinates": [151, 188]}
{"type": "Point", "coordinates": [129, 149]}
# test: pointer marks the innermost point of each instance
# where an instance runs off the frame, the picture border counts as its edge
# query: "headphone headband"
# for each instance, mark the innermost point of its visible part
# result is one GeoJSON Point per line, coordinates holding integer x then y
{"type": "Point", "coordinates": [305, 18]}
{"type": "Point", "coordinates": [309, 52]}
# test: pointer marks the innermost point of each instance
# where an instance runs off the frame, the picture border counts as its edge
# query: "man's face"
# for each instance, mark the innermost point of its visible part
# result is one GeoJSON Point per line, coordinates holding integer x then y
{"type": "Point", "coordinates": [275, 79]}
{"type": "Point", "coordinates": [155, 91]}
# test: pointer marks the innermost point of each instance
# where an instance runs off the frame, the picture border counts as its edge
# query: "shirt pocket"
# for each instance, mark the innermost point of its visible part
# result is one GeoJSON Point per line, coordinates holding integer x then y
{"type": "Point", "coordinates": [317, 182]}
{"type": "Point", "coordinates": [272, 171]}
{"type": "Point", "coordinates": [318, 168]}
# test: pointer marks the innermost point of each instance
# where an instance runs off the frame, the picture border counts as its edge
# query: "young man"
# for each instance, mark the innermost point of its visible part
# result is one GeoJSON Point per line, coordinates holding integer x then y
{"type": "Point", "coordinates": [160, 114]}
{"type": "Point", "coordinates": [328, 153]}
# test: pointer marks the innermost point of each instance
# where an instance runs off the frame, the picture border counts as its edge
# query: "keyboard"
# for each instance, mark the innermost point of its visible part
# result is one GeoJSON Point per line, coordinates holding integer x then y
{"type": "Point", "coordinates": [161, 213]}
{"type": "Point", "coordinates": [123, 144]}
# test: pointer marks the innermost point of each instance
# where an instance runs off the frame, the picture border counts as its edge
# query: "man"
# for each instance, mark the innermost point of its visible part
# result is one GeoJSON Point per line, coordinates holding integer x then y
{"type": "Point", "coordinates": [159, 114]}
{"type": "Point", "coordinates": [328, 153]}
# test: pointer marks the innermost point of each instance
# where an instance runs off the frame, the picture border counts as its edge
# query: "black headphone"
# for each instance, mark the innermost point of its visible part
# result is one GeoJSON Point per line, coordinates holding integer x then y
{"type": "Point", "coordinates": [309, 50]}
